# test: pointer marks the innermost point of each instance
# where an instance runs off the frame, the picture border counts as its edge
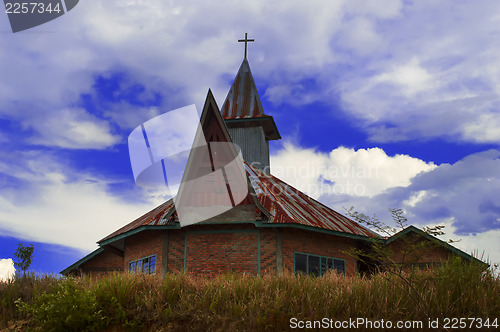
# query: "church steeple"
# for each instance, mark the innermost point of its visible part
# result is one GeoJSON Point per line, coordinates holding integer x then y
{"type": "Point", "coordinates": [244, 116]}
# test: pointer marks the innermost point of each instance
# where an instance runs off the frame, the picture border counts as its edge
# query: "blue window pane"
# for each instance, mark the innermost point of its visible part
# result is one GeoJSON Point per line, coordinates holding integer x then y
{"type": "Point", "coordinates": [131, 266]}
{"type": "Point", "coordinates": [139, 265]}
{"type": "Point", "coordinates": [152, 264]}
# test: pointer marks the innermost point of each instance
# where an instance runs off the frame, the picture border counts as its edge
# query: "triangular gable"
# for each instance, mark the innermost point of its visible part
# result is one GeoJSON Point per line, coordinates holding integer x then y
{"type": "Point", "coordinates": [79, 263]}
{"type": "Point", "coordinates": [419, 232]}
{"type": "Point", "coordinates": [214, 180]}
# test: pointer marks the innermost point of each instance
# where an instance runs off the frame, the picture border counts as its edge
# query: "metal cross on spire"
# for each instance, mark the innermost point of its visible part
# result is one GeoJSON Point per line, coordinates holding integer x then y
{"type": "Point", "coordinates": [246, 41]}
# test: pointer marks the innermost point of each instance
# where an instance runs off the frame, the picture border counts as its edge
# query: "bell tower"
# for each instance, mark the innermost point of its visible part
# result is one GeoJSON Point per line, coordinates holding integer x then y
{"type": "Point", "coordinates": [249, 127]}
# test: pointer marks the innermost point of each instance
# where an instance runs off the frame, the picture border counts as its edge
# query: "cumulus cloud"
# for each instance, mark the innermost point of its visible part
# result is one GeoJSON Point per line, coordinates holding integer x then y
{"type": "Point", "coordinates": [46, 201]}
{"type": "Point", "coordinates": [405, 69]}
{"type": "Point", "coordinates": [429, 77]}
{"type": "Point", "coordinates": [460, 195]}
{"type": "Point", "coordinates": [73, 129]}
{"type": "Point", "coordinates": [362, 172]}
{"type": "Point", "coordinates": [7, 269]}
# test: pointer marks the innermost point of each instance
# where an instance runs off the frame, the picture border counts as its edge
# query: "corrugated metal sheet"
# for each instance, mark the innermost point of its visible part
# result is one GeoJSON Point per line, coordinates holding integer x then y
{"type": "Point", "coordinates": [243, 108]}
{"type": "Point", "coordinates": [153, 217]}
{"type": "Point", "coordinates": [289, 205]}
{"type": "Point", "coordinates": [253, 144]}
{"type": "Point", "coordinates": [286, 205]}
{"type": "Point", "coordinates": [243, 100]}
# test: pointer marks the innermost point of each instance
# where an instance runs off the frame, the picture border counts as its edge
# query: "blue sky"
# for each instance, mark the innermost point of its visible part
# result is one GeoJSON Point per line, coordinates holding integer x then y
{"type": "Point", "coordinates": [391, 104]}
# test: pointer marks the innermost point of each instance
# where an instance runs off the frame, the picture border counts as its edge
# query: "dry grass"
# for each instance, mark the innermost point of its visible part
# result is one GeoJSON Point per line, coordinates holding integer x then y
{"type": "Point", "coordinates": [242, 302]}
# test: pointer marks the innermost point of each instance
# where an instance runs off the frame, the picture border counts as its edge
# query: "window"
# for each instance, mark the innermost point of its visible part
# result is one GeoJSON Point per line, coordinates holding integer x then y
{"type": "Point", "coordinates": [317, 265]}
{"type": "Point", "coordinates": [144, 265]}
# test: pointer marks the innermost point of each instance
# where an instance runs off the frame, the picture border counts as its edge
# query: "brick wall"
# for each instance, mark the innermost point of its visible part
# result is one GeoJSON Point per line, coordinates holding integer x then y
{"type": "Point", "coordinates": [213, 249]}
{"type": "Point", "coordinates": [268, 250]}
{"type": "Point", "coordinates": [296, 240]}
{"type": "Point", "coordinates": [144, 244]}
{"type": "Point", "coordinates": [104, 262]}
{"type": "Point", "coordinates": [213, 253]}
{"type": "Point", "coordinates": [430, 253]}
{"type": "Point", "coordinates": [175, 261]}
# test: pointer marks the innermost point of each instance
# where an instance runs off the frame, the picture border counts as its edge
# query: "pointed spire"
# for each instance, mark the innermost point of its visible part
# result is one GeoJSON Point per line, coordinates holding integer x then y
{"type": "Point", "coordinates": [243, 104]}
{"type": "Point", "coordinates": [243, 100]}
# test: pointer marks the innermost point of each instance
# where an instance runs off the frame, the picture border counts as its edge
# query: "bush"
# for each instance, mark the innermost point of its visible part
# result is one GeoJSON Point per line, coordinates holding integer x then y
{"type": "Point", "coordinates": [69, 307]}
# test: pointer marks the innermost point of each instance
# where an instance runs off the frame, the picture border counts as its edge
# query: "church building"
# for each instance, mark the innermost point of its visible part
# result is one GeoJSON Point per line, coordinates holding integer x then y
{"type": "Point", "coordinates": [274, 229]}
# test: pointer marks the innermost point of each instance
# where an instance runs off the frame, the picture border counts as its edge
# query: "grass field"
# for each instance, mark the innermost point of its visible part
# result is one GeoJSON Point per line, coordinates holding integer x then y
{"type": "Point", "coordinates": [231, 302]}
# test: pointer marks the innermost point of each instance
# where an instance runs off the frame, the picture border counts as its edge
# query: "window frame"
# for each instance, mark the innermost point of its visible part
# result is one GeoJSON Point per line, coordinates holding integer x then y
{"type": "Point", "coordinates": [320, 257]}
{"type": "Point", "coordinates": [139, 263]}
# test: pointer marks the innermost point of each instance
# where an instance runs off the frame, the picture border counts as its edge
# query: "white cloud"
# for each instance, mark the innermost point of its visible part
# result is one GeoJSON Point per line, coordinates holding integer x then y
{"type": "Point", "coordinates": [460, 195]}
{"type": "Point", "coordinates": [484, 128]}
{"type": "Point", "coordinates": [433, 75]}
{"type": "Point", "coordinates": [73, 129]}
{"type": "Point", "coordinates": [362, 172]}
{"type": "Point", "coordinates": [359, 34]}
{"type": "Point", "coordinates": [7, 269]}
{"type": "Point", "coordinates": [390, 10]}
{"type": "Point", "coordinates": [405, 69]}
{"type": "Point", "coordinates": [411, 77]}
{"type": "Point", "coordinates": [60, 205]}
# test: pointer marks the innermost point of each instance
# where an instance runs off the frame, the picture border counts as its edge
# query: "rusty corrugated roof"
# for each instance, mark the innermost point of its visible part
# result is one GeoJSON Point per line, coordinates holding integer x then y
{"type": "Point", "coordinates": [153, 217]}
{"type": "Point", "coordinates": [243, 101]}
{"type": "Point", "coordinates": [243, 107]}
{"type": "Point", "coordinates": [285, 204]}
{"type": "Point", "coordinates": [289, 205]}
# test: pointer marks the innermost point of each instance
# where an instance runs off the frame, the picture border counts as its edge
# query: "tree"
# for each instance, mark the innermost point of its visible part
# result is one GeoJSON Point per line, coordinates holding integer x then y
{"type": "Point", "coordinates": [24, 255]}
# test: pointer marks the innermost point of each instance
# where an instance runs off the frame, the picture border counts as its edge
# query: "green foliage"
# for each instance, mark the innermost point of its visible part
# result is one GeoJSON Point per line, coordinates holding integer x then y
{"type": "Point", "coordinates": [24, 289]}
{"type": "Point", "coordinates": [69, 307]}
{"type": "Point", "coordinates": [245, 303]}
{"type": "Point", "coordinates": [24, 255]}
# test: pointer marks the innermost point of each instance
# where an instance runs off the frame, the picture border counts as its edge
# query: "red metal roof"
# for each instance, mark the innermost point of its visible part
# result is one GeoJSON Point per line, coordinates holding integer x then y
{"type": "Point", "coordinates": [243, 100]}
{"type": "Point", "coordinates": [289, 205]}
{"type": "Point", "coordinates": [153, 217]}
{"type": "Point", "coordinates": [286, 205]}
{"type": "Point", "coordinates": [243, 107]}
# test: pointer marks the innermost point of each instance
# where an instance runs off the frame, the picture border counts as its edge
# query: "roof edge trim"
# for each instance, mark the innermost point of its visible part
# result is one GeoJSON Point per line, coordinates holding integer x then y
{"type": "Point", "coordinates": [82, 261]}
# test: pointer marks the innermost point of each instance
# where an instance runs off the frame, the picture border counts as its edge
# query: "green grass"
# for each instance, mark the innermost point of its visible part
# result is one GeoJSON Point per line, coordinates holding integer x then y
{"type": "Point", "coordinates": [241, 302]}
